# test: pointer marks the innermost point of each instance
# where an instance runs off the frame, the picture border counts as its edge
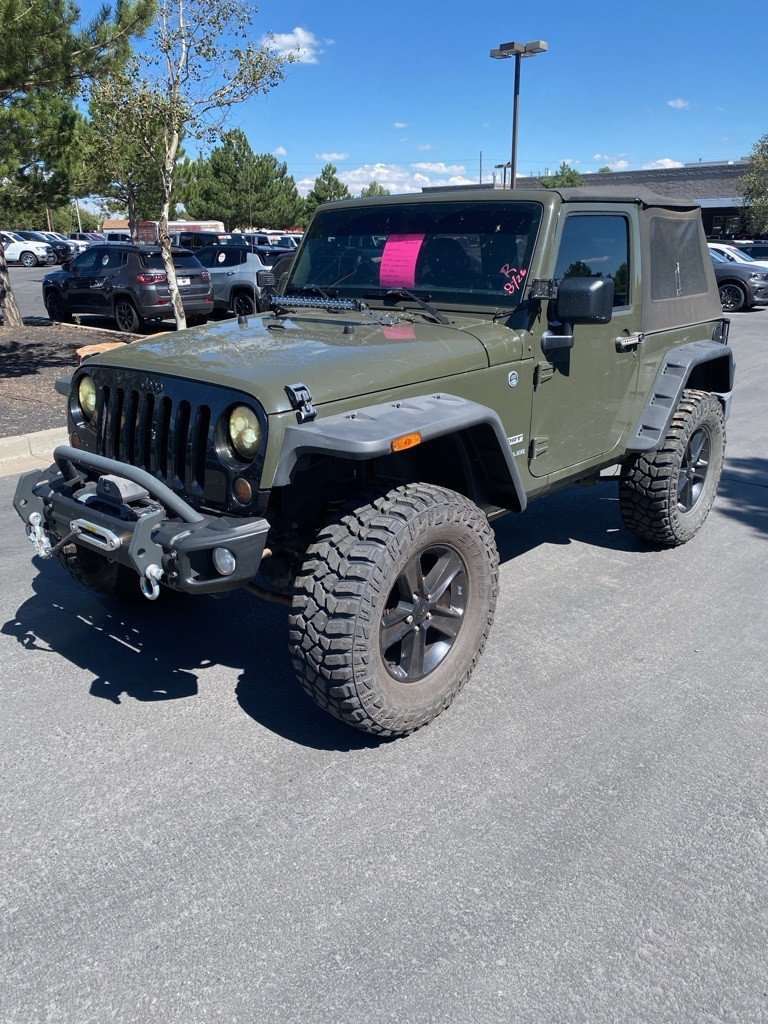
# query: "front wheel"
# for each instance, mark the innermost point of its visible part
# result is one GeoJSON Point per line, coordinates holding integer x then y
{"type": "Point", "coordinates": [55, 307]}
{"type": "Point", "coordinates": [393, 606]}
{"type": "Point", "coordinates": [732, 297]}
{"type": "Point", "coordinates": [666, 494]}
{"type": "Point", "coordinates": [28, 259]}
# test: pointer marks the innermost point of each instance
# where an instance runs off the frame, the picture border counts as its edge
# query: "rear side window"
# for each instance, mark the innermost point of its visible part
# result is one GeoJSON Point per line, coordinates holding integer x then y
{"type": "Point", "coordinates": [596, 245]}
{"type": "Point", "coordinates": [181, 260]}
{"type": "Point", "coordinates": [677, 265]}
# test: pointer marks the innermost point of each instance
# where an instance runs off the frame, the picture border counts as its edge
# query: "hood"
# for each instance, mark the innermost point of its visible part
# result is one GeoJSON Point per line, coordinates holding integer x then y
{"type": "Point", "coordinates": [337, 357]}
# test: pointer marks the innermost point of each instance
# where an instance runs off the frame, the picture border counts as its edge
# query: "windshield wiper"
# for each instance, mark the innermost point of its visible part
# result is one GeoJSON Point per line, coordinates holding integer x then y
{"type": "Point", "coordinates": [403, 293]}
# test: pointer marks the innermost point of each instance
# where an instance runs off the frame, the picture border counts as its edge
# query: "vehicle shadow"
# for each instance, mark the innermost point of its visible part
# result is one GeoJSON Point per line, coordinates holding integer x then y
{"type": "Point", "coordinates": [743, 493]}
{"type": "Point", "coordinates": [161, 651]}
{"type": "Point", "coordinates": [587, 514]}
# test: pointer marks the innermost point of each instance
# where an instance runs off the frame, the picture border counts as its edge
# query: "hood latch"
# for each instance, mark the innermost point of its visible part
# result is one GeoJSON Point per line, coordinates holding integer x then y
{"type": "Point", "coordinates": [300, 398]}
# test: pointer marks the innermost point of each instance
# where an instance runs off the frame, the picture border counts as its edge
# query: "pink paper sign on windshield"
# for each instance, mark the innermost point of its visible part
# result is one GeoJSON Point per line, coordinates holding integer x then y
{"type": "Point", "coordinates": [398, 261]}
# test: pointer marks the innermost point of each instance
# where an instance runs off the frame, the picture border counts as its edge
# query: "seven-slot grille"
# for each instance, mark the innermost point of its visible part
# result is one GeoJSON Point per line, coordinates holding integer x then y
{"type": "Point", "coordinates": [168, 438]}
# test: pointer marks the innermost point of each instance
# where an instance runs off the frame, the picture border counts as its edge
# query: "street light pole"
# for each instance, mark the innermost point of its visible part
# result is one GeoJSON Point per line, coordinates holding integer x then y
{"type": "Point", "coordinates": [518, 51]}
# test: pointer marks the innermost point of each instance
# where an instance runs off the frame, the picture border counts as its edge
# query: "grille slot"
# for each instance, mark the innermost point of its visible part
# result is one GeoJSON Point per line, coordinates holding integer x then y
{"type": "Point", "coordinates": [177, 455]}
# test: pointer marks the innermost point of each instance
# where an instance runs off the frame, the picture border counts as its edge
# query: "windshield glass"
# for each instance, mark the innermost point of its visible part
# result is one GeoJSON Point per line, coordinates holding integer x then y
{"type": "Point", "coordinates": [473, 253]}
{"type": "Point", "coordinates": [717, 257]}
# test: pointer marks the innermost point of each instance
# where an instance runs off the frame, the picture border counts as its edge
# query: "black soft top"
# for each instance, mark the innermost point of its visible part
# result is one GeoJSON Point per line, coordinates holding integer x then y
{"type": "Point", "coordinates": [620, 194]}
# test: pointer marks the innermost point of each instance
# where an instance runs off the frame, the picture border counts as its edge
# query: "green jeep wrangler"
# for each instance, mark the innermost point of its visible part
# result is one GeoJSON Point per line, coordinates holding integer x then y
{"type": "Point", "coordinates": [432, 361]}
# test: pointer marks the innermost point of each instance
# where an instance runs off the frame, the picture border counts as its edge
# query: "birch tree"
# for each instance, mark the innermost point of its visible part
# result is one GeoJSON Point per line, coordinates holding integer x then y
{"type": "Point", "coordinates": [199, 65]}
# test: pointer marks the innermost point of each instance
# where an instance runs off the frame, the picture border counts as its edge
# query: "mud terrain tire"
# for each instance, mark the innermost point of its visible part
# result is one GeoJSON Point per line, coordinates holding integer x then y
{"type": "Point", "coordinates": [417, 550]}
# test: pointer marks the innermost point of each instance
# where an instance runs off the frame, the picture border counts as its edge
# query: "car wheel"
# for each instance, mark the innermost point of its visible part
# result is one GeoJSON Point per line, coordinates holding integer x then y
{"type": "Point", "coordinates": [126, 316]}
{"type": "Point", "coordinates": [243, 304]}
{"type": "Point", "coordinates": [666, 494]}
{"type": "Point", "coordinates": [55, 307]}
{"type": "Point", "coordinates": [28, 259]}
{"type": "Point", "coordinates": [732, 297]}
{"type": "Point", "coordinates": [392, 608]}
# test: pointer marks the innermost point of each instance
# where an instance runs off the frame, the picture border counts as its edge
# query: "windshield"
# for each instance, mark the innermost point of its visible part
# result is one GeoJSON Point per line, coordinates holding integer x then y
{"type": "Point", "coordinates": [716, 257]}
{"type": "Point", "coordinates": [472, 253]}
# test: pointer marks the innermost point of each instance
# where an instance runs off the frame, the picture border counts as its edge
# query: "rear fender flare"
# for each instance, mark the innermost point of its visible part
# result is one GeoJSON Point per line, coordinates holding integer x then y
{"type": "Point", "coordinates": [706, 365]}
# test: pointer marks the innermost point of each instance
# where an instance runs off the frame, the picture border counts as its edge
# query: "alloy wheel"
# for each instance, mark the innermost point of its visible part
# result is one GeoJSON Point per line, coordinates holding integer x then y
{"type": "Point", "coordinates": [694, 469]}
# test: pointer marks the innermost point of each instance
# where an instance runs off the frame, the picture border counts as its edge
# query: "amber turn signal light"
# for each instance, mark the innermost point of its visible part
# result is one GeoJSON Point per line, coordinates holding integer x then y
{"type": "Point", "coordinates": [400, 444]}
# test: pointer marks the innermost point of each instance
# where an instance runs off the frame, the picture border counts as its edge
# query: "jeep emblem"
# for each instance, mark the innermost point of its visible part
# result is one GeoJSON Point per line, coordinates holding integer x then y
{"type": "Point", "coordinates": [512, 379]}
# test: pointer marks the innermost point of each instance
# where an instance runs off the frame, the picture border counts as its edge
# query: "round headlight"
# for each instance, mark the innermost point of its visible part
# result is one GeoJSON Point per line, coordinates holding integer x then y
{"type": "Point", "coordinates": [244, 431]}
{"type": "Point", "coordinates": [86, 396]}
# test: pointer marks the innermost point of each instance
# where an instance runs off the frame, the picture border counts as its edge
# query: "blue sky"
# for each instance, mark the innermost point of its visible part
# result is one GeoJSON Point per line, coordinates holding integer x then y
{"type": "Point", "coordinates": [406, 92]}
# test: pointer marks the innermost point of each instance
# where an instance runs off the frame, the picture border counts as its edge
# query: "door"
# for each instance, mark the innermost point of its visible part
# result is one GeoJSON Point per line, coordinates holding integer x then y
{"type": "Point", "coordinates": [109, 262]}
{"type": "Point", "coordinates": [584, 395]}
{"type": "Point", "coordinates": [75, 286]}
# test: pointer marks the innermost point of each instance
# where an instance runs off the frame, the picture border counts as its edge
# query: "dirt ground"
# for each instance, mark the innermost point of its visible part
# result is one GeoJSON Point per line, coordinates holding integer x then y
{"type": "Point", "coordinates": [32, 358]}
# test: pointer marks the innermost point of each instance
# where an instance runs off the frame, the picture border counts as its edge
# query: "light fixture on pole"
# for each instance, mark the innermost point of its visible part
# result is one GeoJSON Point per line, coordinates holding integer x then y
{"type": "Point", "coordinates": [518, 51]}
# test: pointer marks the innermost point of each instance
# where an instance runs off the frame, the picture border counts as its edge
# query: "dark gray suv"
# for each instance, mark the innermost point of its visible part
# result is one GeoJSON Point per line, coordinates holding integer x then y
{"type": "Point", "coordinates": [127, 283]}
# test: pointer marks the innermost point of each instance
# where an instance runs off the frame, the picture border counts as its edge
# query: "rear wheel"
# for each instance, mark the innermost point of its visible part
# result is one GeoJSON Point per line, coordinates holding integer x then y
{"type": "Point", "coordinates": [243, 304]}
{"type": "Point", "coordinates": [126, 316]}
{"type": "Point", "coordinates": [393, 606]}
{"type": "Point", "coordinates": [666, 494]}
{"type": "Point", "coordinates": [732, 297]}
{"type": "Point", "coordinates": [28, 259]}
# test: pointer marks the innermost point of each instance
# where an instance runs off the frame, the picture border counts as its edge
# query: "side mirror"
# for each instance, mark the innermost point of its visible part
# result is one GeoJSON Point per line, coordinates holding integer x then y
{"type": "Point", "coordinates": [585, 300]}
{"type": "Point", "coordinates": [580, 300]}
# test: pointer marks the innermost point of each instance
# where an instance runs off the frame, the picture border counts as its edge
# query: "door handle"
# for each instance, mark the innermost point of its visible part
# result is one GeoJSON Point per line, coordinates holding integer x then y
{"type": "Point", "coordinates": [231, 273]}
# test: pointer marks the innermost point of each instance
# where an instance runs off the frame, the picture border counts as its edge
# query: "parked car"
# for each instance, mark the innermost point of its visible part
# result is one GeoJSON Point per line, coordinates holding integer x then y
{"type": "Point", "coordinates": [735, 255]}
{"type": "Point", "coordinates": [63, 251]}
{"type": "Point", "coordinates": [199, 239]}
{"type": "Point", "coordinates": [89, 238]}
{"type": "Point", "coordinates": [757, 250]}
{"type": "Point", "coordinates": [127, 283]}
{"type": "Point", "coordinates": [740, 287]}
{"type": "Point", "coordinates": [28, 253]}
{"type": "Point", "coordinates": [118, 236]}
{"type": "Point", "coordinates": [233, 270]}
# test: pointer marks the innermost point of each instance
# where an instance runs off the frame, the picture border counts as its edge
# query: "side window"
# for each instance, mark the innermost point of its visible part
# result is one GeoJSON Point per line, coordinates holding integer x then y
{"type": "Point", "coordinates": [596, 245]}
{"type": "Point", "coordinates": [87, 261]}
{"type": "Point", "coordinates": [677, 267]}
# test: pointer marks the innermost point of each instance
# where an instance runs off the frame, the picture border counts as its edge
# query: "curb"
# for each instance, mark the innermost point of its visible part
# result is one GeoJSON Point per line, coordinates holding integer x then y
{"type": "Point", "coordinates": [36, 447]}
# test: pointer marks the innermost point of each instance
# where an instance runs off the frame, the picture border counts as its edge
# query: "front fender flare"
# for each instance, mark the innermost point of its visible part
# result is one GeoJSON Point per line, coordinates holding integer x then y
{"type": "Point", "coordinates": [368, 433]}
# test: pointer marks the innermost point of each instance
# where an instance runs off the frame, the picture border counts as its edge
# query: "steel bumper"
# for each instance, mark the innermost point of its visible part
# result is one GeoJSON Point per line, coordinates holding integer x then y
{"type": "Point", "coordinates": [80, 500]}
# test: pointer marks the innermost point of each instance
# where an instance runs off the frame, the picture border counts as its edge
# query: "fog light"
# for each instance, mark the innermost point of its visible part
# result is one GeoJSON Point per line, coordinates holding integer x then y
{"type": "Point", "coordinates": [242, 491]}
{"type": "Point", "coordinates": [224, 561]}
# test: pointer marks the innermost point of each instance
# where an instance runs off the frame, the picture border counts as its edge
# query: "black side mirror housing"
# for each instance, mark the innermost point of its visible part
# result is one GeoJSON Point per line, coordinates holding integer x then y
{"type": "Point", "coordinates": [585, 300]}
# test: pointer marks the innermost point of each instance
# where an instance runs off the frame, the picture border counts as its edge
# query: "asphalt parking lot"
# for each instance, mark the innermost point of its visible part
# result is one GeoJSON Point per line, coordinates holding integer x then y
{"type": "Point", "coordinates": [581, 837]}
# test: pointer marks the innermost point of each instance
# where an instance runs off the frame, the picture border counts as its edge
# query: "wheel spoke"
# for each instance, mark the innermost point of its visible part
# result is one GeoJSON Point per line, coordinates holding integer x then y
{"type": "Point", "coordinates": [411, 581]}
{"type": "Point", "coordinates": [447, 621]}
{"type": "Point", "coordinates": [412, 653]}
{"type": "Point", "coordinates": [394, 627]}
{"type": "Point", "coordinates": [441, 575]}
{"type": "Point", "coordinates": [695, 447]}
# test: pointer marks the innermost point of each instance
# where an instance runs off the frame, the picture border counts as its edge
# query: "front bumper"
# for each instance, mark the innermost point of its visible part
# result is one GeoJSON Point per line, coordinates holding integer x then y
{"type": "Point", "coordinates": [128, 516]}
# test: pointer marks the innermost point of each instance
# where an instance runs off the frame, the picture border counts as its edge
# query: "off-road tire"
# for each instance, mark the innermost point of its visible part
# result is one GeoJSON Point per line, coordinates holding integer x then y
{"type": "Point", "coordinates": [648, 486]}
{"type": "Point", "coordinates": [110, 579]}
{"type": "Point", "coordinates": [342, 591]}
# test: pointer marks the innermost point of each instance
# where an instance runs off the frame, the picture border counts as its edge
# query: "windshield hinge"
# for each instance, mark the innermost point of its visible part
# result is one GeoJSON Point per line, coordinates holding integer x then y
{"type": "Point", "coordinates": [301, 399]}
{"type": "Point", "coordinates": [544, 371]}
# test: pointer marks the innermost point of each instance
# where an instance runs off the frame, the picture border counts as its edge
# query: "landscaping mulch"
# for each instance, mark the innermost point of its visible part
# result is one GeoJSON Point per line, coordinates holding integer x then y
{"type": "Point", "coordinates": [32, 358]}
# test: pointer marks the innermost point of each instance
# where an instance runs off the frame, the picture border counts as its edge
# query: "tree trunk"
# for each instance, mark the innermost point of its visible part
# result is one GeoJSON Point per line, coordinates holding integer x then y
{"type": "Point", "coordinates": [165, 241]}
{"type": "Point", "coordinates": [133, 218]}
{"type": "Point", "coordinates": [10, 311]}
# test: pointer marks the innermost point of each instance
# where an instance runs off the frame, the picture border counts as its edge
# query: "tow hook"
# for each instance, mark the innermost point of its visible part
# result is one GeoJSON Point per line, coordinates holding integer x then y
{"type": "Point", "coordinates": [38, 537]}
{"type": "Point", "coordinates": [150, 587]}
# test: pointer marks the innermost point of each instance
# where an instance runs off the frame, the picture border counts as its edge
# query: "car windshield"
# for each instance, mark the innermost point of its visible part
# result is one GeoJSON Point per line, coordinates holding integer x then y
{"type": "Point", "coordinates": [464, 252]}
{"type": "Point", "coordinates": [181, 260]}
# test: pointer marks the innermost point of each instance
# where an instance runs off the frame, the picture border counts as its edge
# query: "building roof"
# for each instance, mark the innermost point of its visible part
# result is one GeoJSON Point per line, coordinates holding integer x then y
{"type": "Point", "coordinates": [693, 181]}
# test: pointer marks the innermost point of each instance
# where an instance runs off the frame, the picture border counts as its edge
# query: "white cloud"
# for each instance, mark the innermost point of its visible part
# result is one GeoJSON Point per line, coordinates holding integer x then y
{"type": "Point", "coordinates": [399, 124]}
{"type": "Point", "coordinates": [616, 163]}
{"type": "Point", "coordinates": [678, 104]}
{"type": "Point", "coordinates": [664, 163]}
{"type": "Point", "coordinates": [280, 151]}
{"type": "Point", "coordinates": [440, 168]}
{"type": "Point", "coordinates": [300, 43]}
{"type": "Point", "coordinates": [396, 178]}
{"type": "Point", "coordinates": [424, 146]}
{"type": "Point", "coordinates": [331, 156]}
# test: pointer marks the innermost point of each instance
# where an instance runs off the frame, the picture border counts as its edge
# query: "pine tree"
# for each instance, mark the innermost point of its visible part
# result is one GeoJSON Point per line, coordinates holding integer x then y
{"type": "Point", "coordinates": [327, 189]}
